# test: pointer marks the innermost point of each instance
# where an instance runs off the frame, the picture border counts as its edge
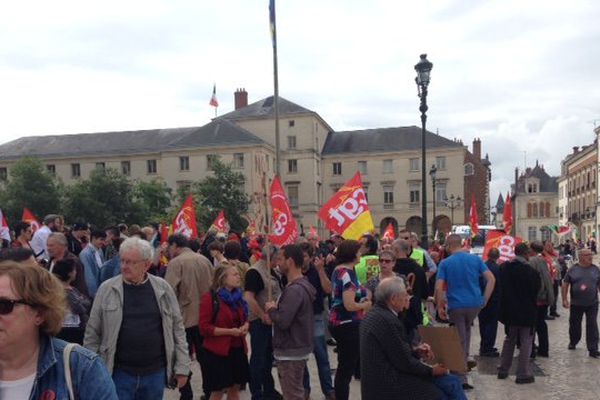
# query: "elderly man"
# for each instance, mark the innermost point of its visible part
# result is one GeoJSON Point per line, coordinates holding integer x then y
{"type": "Point", "coordinates": [51, 223]}
{"type": "Point", "coordinates": [135, 326]}
{"type": "Point", "coordinates": [390, 366]}
{"type": "Point", "coordinates": [57, 250]}
{"type": "Point", "coordinates": [584, 281]}
{"type": "Point", "coordinates": [92, 258]}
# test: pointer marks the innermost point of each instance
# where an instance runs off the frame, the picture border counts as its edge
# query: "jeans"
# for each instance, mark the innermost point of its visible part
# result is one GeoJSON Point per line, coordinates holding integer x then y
{"type": "Point", "coordinates": [523, 335]}
{"type": "Point", "coordinates": [261, 360]}
{"type": "Point", "coordinates": [591, 325]}
{"type": "Point", "coordinates": [290, 377]}
{"type": "Point", "coordinates": [348, 344]}
{"type": "Point", "coordinates": [137, 387]}
{"type": "Point", "coordinates": [488, 327]}
{"type": "Point", "coordinates": [322, 359]}
{"type": "Point", "coordinates": [541, 328]}
{"type": "Point", "coordinates": [451, 386]}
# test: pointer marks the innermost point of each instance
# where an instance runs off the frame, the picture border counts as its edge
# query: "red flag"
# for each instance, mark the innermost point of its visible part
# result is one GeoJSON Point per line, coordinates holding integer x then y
{"type": "Point", "coordinates": [4, 229]}
{"type": "Point", "coordinates": [220, 224]}
{"type": "Point", "coordinates": [30, 219]}
{"type": "Point", "coordinates": [503, 242]}
{"type": "Point", "coordinates": [283, 225]}
{"type": "Point", "coordinates": [389, 234]}
{"type": "Point", "coordinates": [213, 99]}
{"type": "Point", "coordinates": [507, 218]}
{"type": "Point", "coordinates": [347, 212]}
{"type": "Point", "coordinates": [164, 233]}
{"type": "Point", "coordinates": [313, 232]}
{"type": "Point", "coordinates": [473, 219]}
{"type": "Point", "coordinates": [185, 220]}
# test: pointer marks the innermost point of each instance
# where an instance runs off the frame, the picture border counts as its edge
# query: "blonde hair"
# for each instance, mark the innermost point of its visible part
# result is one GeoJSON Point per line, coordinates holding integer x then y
{"type": "Point", "coordinates": [220, 276]}
{"type": "Point", "coordinates": [41, 290]}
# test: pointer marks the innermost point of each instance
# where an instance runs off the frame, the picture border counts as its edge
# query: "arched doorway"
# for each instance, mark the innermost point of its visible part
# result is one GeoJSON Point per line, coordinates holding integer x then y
{"type": "Point", "coordinates": [413, 224]}
{"type": "Point", "coordinates": [385, 222]}
{"type": "Point", "coordinates": [441, 225]}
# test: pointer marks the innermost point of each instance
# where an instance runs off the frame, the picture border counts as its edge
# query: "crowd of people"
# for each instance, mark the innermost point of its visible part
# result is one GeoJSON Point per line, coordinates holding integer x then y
{"type": "Point", "coordinates": [141, 308]}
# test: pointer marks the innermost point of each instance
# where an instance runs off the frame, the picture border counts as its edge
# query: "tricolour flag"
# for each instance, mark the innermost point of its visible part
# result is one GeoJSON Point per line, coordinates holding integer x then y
{"type": "Point", "coordinates": [272, 23]}
{"type": "Point", "coordinates": [185, 220]}
{"type": "Point", "coordinates": [220, 224]}
{"type": "Point", "coordinates": [213, 99]}
{"type": "Point", "coordinates": [30, 219]}
{"type": "Point", "coordinates": [473, 219]}
{"type": "Point", "coordinates": [389, 234]}
{"type": "Point", "coordinates": [284, 229]}
{"type": "Point", "coordinates": [507, 218]}
{"type": "Point", "coordinates": [347, 212]}
{"type": "Point", "coordinates": [4, 229]}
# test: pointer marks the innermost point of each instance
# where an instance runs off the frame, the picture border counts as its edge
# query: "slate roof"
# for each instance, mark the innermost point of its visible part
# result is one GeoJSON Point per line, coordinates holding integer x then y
{"type": "Point", "coordinates": [548, 184]}
{"type": "Point", "coordinates": [265, 108]}
{"type": "Point", "coordinates": [217, 133]}
{"type": "Point", "coordinates": [500, 204]}
{"type": "Point", "coordinates": [383, 140]}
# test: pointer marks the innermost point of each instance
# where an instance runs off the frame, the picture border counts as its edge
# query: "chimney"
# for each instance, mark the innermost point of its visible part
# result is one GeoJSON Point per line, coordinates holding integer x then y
{"type": "Point", "coordinates": [575, 149]}
{"type": "Point", "coordinates": [477, 148]}
{"type": "Point", "coordinates": [240, 98]}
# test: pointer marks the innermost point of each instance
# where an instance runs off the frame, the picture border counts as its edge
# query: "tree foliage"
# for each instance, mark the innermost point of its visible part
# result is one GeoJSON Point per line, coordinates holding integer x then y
{"type": "Point", "coordinates": [153, 199]}
{"type": "Point", "coordinates": [32, 186]}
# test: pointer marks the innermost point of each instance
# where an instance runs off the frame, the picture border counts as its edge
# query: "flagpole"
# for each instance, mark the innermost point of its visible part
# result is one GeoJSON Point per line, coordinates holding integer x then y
{"type": "Point", "coordinates": [267, 243]}
{"type": "Point", "coordinates": [275, 86]}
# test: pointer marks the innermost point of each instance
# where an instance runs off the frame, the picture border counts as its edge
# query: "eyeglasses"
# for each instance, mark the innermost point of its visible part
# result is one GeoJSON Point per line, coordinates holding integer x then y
{"type": "Point", "coordinates": [385, 260]}
{"type": "Point", "coordinates": [7, 305]}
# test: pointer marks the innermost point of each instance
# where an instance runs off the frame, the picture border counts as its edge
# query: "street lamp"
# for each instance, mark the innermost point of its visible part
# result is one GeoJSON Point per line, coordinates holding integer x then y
{"type": "Point", "coordinates": [423, 69]}
{"type": "Point", "coordinates": [432, 173]}
{"type": "Point", "coordinates": [452, 203]}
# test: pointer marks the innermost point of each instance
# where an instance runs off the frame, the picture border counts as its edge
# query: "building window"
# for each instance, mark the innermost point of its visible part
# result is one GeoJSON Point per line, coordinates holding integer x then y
{"type": "Point", "coordinates": [388, 196]}
{"type": "Point", "coordinates": [440, 163]}
{"type": "Point", "coordinates": [414, 192]}
{"type": "Point", "coordinates": [440, 193]}
{"type": "Point", "coordinates": [469, 169]}
{"type": "Point", "coordinates": [337, 168]}
{"type": "Point", "coordinates": [126, 168]}
{"type": "Point", "coordinates": [291, 123]}
{"type": "Point", "coordinates": [292, 166]}
{"type": "Point", "coordinates": [151, 166]}
{"type": "Point", "coordinates": [184, 186]}
{"type": "Point", "coordinates": [291, 142]}
{"type": "Point", "coordinates": [532, 233]}
{"type": "Point", "coordinates": [51, 168]}
{"type": "Point", "coordinates": [75, 170]}
{"type": "Point", "coordinates": [238, 160]}
{"type": "Point", "coordinates": [184, 163]}
{"type": "Point", "coordinates": [362, 167]}
{"type": "Point", "coordinates": [318, 168]}
{"type": "Point", "coordinates": [546, 234]}
{"type": "Point", "coordinates": [534, 208]}
{"type": "Point", "coordinates": [548, 210]}
{"type": "Point", "coordinates": [388, 166]}
{"type": "Point", "coordinates": [101, 166]}
{"type": "Point", "coordinates": [414, 164]}
{"type": "Point", "coordinates": [211, 160]}
{"type": "Point", "coordinates": [3, 174]}
{"type": "Point", "coordinates": [293, 195]}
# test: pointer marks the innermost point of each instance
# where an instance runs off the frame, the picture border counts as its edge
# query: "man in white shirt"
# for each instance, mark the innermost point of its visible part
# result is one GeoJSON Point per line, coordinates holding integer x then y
{"type": "Point", "coordinates": [51, 223]}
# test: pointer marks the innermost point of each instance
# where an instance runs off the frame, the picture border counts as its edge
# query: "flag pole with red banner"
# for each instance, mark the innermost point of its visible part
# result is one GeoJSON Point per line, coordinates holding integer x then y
{"type": "Point", "coordinates": [507, 218]}
{"type": "Point", "coordinates": [185, 220]}
{"type": "Point", "coordinates": [473, 218]}
{"type": "Point", "coordinates": [213, 99]}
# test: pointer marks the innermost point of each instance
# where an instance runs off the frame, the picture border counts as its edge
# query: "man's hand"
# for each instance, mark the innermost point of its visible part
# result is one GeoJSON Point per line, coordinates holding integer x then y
{"type": "Point", "coordinates": [244, 328]}
{"type": "Point", "coordinates": [269, 305]}
{"type": "Point", "coordinates": [181, 380]}
{"type": "Point", "coordinates": [319, 263]}
{"type": "Point", "coordinates": [424, 350]}
{"type": "Point", "coordinates": [566, 303]}
{"type": "Point", "coordinates": [442, 313]}
{"type": "Point", "coordinates": [439, 370]}
{"type": "Point", "coordinates": [330, 258]}
{"type": "Point", "coordinates": [266, 319]}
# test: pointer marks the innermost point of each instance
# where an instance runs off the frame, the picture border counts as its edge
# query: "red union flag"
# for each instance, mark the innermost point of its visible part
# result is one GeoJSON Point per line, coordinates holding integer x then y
{"type": "Point", "coordinates": [30, 219]}
{"type": "Point", "coordinates": [473, 218]}
{"type": "Point", "coordinates": [185, 220]}
{"type": "Point", "coordinates": [389, 233]}
{"type": "Point", "coordinates": [503, 242]}
{"type": "Point", "coordinates": [507, 218]}
{"type": "Point", "coordinates": [220, 224]}
{"type": "Point", "coordinates": [347, 212]}
{"type": "Point", "coordinates": [283, 225]}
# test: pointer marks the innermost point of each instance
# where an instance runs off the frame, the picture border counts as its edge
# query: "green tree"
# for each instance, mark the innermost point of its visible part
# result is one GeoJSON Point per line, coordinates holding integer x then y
{"type": "Point", "coordinates": [153, 199]}
{"type": "Point", "coordinates": [30, 185]}
{"type": "Point", "coordinates": [224, 190]}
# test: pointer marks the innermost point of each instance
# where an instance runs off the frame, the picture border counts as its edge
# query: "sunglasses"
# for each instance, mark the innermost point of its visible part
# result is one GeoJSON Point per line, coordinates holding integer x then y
{"type": "Point", "coordinates": [7, 305]}
{"type": "Point", "coordinates": [385, 260]}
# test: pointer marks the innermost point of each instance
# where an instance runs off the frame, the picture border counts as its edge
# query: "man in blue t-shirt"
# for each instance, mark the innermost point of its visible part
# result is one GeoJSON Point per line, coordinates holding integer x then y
{"type": "Point", "coordinates": [458, 276]}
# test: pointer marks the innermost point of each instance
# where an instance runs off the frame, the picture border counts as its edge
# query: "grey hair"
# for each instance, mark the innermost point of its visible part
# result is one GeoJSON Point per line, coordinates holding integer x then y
{"type": "Point", "coordinates": [388, 288]}
{"type": "Point", "coordinates": [402, 245]}
{"type": "Point", "coordinates": [59, 237]}
{"type": "Point", "coordinates": [142, 246]}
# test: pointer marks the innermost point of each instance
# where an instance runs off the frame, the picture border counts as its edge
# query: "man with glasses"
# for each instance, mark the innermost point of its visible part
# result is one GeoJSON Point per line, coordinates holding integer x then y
{"type": "Point", "coordinates": [584, 281]}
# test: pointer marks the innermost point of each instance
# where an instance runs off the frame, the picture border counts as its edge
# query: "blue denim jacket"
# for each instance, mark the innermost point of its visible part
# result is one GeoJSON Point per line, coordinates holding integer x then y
{"type": "Point", "coordinates": [91, 380]}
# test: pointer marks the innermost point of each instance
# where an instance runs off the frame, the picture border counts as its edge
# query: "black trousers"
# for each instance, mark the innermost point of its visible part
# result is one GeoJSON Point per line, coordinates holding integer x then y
{"type": "Point", "coordinates": [591, 325]}
{"type": "Point", "coordinates": [348, 343]}
{"type": "Point", "coordinates": [194, 341]}
{"type": "Point", "coordinates": [541, 328]}
{"type": "Point", "coordinates": [553, 305]}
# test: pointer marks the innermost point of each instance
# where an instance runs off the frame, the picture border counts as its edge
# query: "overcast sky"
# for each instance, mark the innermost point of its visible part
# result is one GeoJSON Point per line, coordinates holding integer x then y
{"type": "Point", "coordinates": [522, 75]}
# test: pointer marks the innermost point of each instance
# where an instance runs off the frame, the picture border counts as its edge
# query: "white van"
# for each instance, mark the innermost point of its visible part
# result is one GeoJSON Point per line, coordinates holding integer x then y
{"type": "Point", "coordinates": [478, 242]}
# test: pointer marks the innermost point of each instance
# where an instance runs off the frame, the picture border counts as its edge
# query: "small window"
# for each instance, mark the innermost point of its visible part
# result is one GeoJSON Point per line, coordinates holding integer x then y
{"type": "Point", "coordinates": [238, 160]}
{"type": "Point", "coordinates": [362, 167]}
{"type": "Point", "coordinates": [337, 168]}
{"type": "Point", "coordinates": [75, 170]}
{"type": "Point", "coordinates": [440, 163]}
{"type": "Point", "coordinates": [51, 168]}
{"type": "Point", "coordinates": [414, 164]}
{"type": "Point", "coordinates": [388, 195]}
{"type": "Point", "coordinates": [292, 166]}
{"type": "Point", "coordinates": [211, 159]}
{"type": "Point", "coordinates": [532, 233]}
{"type": "Point", "coordinates": [291, 142]}
{"type": "Point", "coordinates": [388, 166]}
{"type": "Point", "coordinates": [291, 123]}
{"type": "Point", "coordinates": [184, 163]}
{"type": "Point", "coordinates": [293, 195]}
{"type": "Point", "coordinates": [469, 169]}
{"type": "Point", "coordinates": [151, 166]}
{"type": "Point", "coordinates": [126, 168]}
{"type": "Point", "coordinates": [101, 166]}
{"type": "Point", "coordinates": [414, 194]}
{"type": "Point", "coordinates": [440, 193]}
{"type": "Point", "coordinates": [3, 174]}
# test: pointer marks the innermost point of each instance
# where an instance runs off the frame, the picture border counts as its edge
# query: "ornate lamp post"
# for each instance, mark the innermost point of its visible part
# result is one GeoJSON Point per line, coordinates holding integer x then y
{"type": "Point", "coordinates": [432, 173]}
{"type": "Point", "coordinates": [452, 203]}
{"type": "Point", "coordinates": [423, 69]}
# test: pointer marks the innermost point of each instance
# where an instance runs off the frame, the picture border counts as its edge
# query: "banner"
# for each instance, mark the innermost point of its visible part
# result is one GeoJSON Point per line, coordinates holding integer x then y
{"type": "Point", "coordinates": [30, 219]}
{"type": "Point", "coordinates": [185, 220]}
{"type": "Point", "coordinates": [284, 229]}
{"type": "Point", "coordinates": [473, 218]}
{"type": "Point", "coordinates": [503, 242]}
{"type": "Point", "coordinates": [507, 217]}
{"type": "Point", "coordinates": [4, 229]}
{"type": "Point", "coordinates": [389, 233]}
{"type": "Point", "coordinates": [347, 212]}
{"type": "Point", "coordinates": [220, 224]}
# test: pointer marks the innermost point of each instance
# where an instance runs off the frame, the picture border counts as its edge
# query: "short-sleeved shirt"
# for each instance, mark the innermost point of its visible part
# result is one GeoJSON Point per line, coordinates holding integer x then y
{"type": "Point", "coordinates": [584, 283]}
{"type": "Point", "coordinates": [344, 279]}
{"type": "Point", "coordinates": [461, 271]}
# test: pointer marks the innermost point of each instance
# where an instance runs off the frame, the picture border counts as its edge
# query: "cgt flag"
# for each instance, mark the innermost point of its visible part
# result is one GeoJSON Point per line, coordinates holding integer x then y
{"type": "Point", "coordinates": [30, 219]}
{"type": "Point", "coordinates": [507, 218]}
{"type": "Point", "coordinates": [503, 242]}
{"type": "Point", "coordinates": [185, 220]}
{"type": "Point", "coordinates": [473, 219]}
{"type": "Point", "coordinates": [347, 212]}
{"type": "Point", "coordinates": [283, 225]}
{"type": "Point", "coordinates": [220, 224]}
{"type": "Point", "coordinates": [389, 234]}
